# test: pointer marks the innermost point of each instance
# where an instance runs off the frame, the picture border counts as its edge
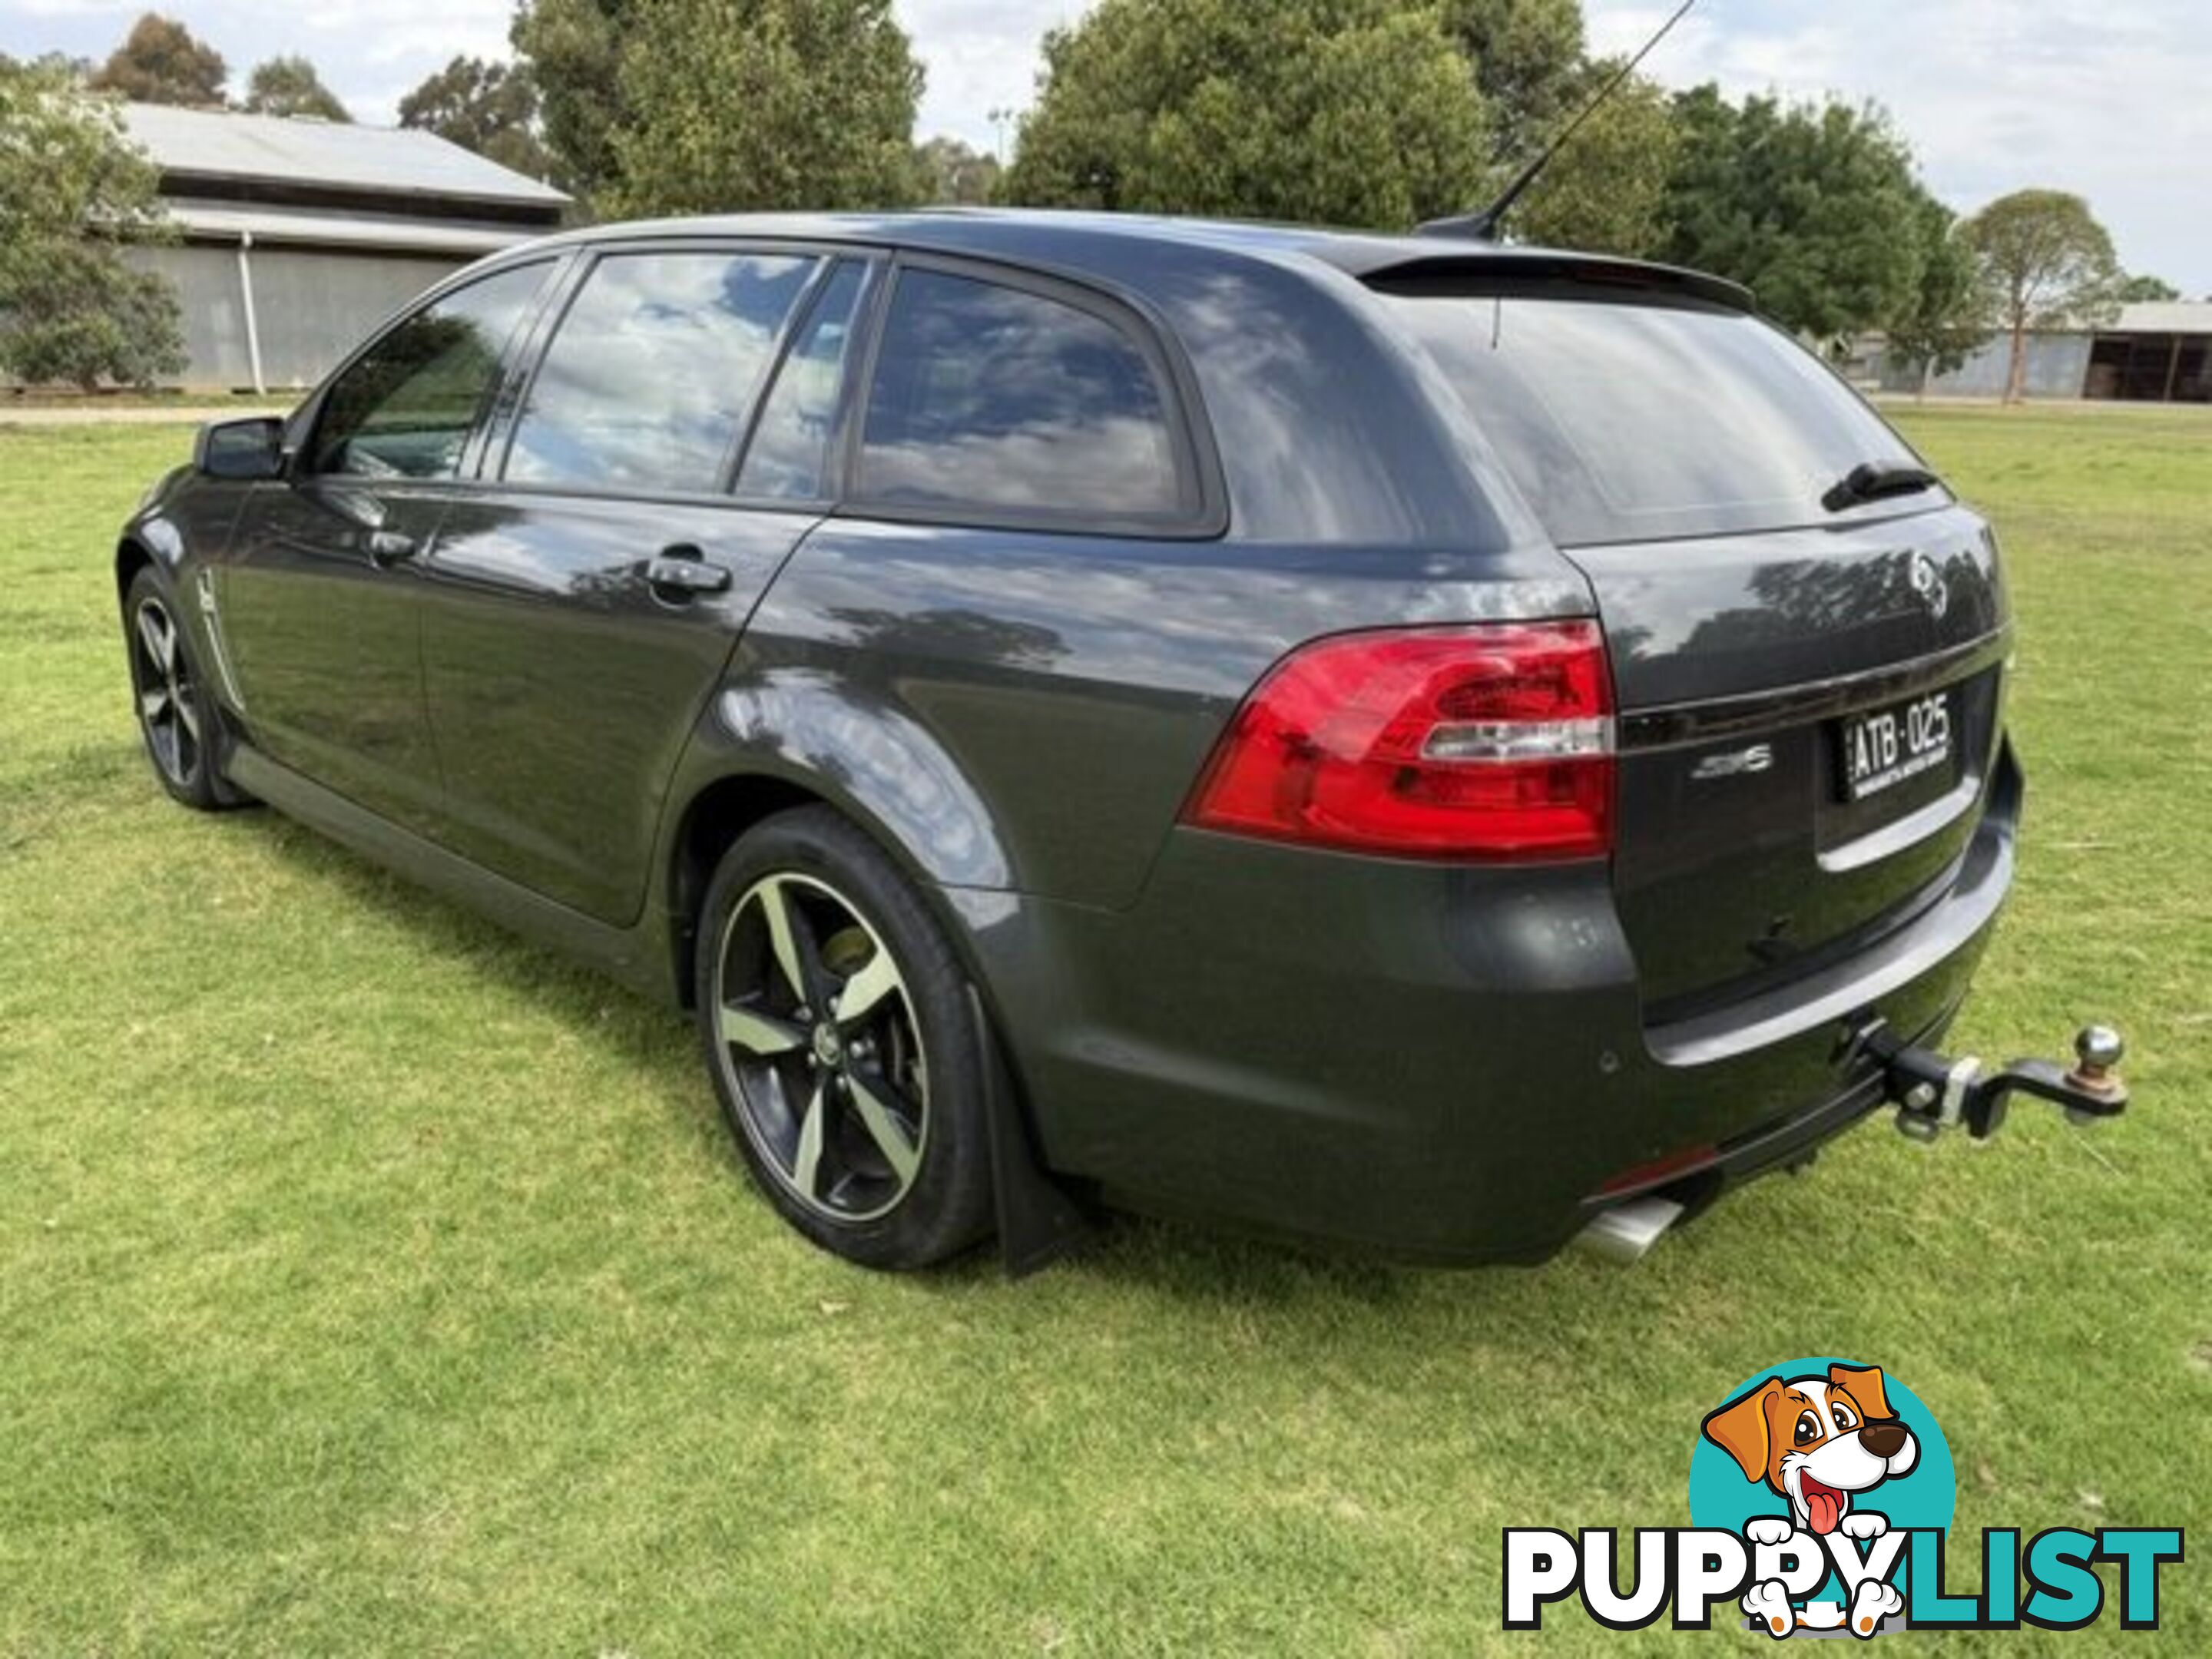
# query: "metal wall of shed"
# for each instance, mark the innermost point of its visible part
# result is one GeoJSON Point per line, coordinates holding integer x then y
{"type": "Point", "coordinates": [314, 307]}
{"type": "Point", "coordinates": [2057, 365]}
{"type": "Point", "coordinates": [311, 306]}
{"type": "Point", "coordinates": [212, 314]}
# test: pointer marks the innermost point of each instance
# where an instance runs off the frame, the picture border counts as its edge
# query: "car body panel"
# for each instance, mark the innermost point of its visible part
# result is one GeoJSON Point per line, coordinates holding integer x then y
{"type": "Point", "coordinates": [323, 637]}
{"type": "Point", "coordinates": [1729, 875]}
{"type": "Point", "coordinates": [1082, 680]}
{"type": "Point", "coordinates": [182, 528]}
{"type": "Point", "coordinates": [560, 686]}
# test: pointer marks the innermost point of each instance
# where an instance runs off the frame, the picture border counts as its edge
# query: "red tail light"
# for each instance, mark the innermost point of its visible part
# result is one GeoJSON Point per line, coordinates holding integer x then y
{"type": "Point", "coordinates": [1479, 743]}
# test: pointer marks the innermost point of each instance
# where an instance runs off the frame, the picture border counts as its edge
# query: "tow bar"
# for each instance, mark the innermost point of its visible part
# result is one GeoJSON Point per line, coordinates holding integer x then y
{"type": "Point", "coordinates": [1933, 1093]}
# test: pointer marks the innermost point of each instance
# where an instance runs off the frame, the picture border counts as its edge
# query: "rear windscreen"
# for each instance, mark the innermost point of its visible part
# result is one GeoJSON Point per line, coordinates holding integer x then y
{"type": "Point", "coordinates": [1628, 422]}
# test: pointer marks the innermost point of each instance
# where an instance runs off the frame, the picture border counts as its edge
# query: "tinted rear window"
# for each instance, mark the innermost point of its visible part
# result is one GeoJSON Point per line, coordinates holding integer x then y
{"type": "Point", "coordinates": [1623, 423]}
{"type": "Point", "coordinates": [992, 399]}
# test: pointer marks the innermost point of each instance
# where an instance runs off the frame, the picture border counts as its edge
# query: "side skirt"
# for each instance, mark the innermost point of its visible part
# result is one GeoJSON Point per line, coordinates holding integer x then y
{"type": "Point", "coordinates": [625, 953]}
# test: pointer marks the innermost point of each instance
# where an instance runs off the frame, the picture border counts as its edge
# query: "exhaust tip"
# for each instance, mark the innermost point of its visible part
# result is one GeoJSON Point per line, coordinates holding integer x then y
{"type": "Point", "coordinates": [1626, 1232]}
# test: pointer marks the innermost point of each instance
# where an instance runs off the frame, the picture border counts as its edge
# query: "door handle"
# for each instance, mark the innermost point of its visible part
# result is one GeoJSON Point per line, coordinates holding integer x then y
{"type": "Point", "coordinates": [680, 573]}
{"type": "Point", "coordinates": [389, 547]}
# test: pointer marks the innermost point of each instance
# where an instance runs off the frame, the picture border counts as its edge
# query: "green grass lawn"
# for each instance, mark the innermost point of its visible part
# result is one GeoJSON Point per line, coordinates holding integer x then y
{"type": "Point", "coordinates": [369, 1281]}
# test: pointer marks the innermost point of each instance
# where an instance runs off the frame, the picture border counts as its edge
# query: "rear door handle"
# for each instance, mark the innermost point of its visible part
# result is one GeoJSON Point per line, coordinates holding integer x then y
{"type": "Point", "coordinates": [680, 572]}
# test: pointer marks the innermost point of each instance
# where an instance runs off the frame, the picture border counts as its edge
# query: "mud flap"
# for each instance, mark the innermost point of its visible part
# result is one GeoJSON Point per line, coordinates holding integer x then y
{"type": "Point", "coordinates": [1040, 1221]}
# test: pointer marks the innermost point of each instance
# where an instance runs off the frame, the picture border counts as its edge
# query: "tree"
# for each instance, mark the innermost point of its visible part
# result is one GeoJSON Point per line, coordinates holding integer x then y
{"type": "Point", "coordinates": [73, 191]}
{"type": "Point", "coordinates": [2140, 288]}
{"type": "Point", "coordinates": [2045, 262]}
{"type": "Point", "coordinates": [1815, 208]}
{"type": "Point", "coordinates": [1528, 65]}
{"type": "Point", "coordinates": [734, 104]}
{"type": "Point", "coordinates": [289, 86]}
{"type": "Point", "coordinates": [956, 172]}
{"type": "Point", "coordinates": [1347, 112]}
{"type": "Point", "coordinates": [160, 62]}
{"type": "Point", "coordinates": [573, 51]}
{"type": "Point", "coordinates": [1606, 190]}
{"type": "Point", "coordinates": [490, 108]}
{"type": "Point", "coordinates": [1947, 315]}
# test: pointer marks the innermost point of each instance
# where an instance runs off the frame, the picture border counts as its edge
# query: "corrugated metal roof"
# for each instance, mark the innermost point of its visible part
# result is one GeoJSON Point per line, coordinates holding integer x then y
{"type": "Point", "coordinates": [277, 226]}
{"type": "Point", "coordinates": [2163, 317]}
{"type": "Point", "coordinates": [285, 149]}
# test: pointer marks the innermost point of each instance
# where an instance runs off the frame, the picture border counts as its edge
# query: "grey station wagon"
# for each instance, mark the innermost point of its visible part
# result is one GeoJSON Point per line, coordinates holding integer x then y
{"type": "Point", "coordinates": [1391, 740]}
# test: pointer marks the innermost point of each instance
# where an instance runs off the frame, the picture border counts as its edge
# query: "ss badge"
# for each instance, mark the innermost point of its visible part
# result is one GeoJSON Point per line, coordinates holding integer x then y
{"type": "Point", "coordinates": [1735, 763]}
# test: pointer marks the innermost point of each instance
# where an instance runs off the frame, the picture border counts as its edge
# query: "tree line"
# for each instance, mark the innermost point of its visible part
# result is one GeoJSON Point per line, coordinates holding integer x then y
{"type": "Point", "coordinates": [161, 62]}
{"type": "Point", "coordinates": [1371, 114]}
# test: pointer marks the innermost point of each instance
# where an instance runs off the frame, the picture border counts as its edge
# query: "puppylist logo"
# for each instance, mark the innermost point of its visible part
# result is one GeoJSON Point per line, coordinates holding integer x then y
{"type": "Point", "coordinates": [1820, 1500]}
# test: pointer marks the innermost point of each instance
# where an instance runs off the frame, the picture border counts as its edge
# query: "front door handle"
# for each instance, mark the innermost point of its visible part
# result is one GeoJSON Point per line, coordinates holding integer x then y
{"type": "Point", "coordinates": [389, 547]}
{"type": "Point", "coordinates": [680, 573]}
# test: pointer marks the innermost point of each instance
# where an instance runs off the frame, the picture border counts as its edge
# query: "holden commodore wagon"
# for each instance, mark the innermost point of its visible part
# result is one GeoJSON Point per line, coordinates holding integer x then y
{"type": "Point", "coordinates": [1391, 740]}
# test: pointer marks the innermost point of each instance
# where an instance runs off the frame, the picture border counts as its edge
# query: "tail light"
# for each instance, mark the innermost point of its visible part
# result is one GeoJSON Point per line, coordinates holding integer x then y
{"type": "Point", "coordinates": [1492, 742]}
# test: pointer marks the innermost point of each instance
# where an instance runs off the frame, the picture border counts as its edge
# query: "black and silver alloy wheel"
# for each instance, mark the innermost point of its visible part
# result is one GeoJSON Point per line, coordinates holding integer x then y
{"type": "Point", "coordinates": [168, 701]}
{"type": "Point", "coordinates": [830, 1075]}
{"type": "Point", "coordinates": [839, 1028]}
{"type": "Point", "coordinates": [174, 703]}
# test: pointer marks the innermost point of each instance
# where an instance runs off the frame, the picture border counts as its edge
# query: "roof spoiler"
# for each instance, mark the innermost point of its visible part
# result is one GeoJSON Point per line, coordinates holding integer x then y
{"type": "Point", "coordinates": [1530, 273]}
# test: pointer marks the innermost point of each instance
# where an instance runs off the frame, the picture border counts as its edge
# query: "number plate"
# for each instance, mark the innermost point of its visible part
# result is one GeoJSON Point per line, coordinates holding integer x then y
{"type": "Point", "coordinates": [1885, 747]}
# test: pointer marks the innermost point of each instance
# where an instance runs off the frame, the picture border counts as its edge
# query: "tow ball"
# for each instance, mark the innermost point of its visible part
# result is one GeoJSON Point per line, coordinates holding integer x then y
{"type": "Point", "coordinates": [1934, 1093]}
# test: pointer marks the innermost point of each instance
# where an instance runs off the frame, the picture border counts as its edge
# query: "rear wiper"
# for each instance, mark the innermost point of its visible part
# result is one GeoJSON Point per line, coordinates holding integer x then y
{"type": "Point", "coordinates": [1874, 480]}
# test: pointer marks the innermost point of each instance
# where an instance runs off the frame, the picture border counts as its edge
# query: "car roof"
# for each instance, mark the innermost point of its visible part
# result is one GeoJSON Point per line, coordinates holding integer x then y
{"type": "Point", "coordinates": [1052, 238]}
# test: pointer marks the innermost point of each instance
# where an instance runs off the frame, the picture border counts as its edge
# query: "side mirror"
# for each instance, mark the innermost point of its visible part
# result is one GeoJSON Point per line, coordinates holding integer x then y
{"type": "Point", "coordinates": [251, 449]}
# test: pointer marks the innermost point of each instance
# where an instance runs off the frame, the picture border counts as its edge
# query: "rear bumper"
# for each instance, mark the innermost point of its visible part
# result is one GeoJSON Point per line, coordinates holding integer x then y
{"type": "Point", "coordinates": [1436, 1063]}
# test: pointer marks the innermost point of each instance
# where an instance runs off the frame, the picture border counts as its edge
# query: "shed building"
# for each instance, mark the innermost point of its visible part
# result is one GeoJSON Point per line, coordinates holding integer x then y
{"type": "Point", "coordinates": [297, 236]}
{"type": "Point", "coordinates": [2158, 351]}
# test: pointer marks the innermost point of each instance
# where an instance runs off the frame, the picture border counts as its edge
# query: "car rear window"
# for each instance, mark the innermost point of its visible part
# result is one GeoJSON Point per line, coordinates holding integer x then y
{"type": "Point", "coordinates": [1635, 422]}
{"type": "Point", "coordinates": [989, 400]}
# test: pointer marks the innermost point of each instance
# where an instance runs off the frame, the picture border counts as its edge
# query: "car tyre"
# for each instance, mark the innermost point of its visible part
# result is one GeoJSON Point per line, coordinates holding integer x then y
{"type": "Point", "coordinates": [836, 1025]}
{"type": "Point", "coordinates": [177, 720]}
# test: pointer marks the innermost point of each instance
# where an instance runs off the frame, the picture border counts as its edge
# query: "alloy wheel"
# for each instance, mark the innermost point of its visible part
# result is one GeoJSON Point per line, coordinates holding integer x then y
{"type": "Point", "coordinates": [169, 704]}
{"type": "Point", "coordinates": [818, 1027]}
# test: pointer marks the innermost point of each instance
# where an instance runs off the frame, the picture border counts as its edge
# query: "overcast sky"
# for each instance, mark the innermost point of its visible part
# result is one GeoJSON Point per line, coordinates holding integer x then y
{"type": "Point", "coordinates": [2110, 98]}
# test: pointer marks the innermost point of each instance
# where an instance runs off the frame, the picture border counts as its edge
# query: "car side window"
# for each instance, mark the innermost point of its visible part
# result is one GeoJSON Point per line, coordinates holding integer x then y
{"type": "Point", "coordinates": [652, 372]}
{"type": "Point", "coordinates": [789, 458]}
{"type": "Point", "coordinates": [1002, 401]}
{"type": "Point", "coordinates": [405, 408]}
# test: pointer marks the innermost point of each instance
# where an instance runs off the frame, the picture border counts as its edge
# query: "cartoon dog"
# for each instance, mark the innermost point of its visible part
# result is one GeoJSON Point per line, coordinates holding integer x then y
{"type": "Point", "coordinates": [1817, 1440]}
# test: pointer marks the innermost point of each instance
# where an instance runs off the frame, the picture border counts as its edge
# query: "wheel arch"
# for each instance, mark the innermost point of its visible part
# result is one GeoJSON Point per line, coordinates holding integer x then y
{"type": "Point", "coordinates": [709, 823]}
{"type": "Point", "coordinates": [719, 810]}
{"type": "Point", "coordinates": [721, 807]}
{"type": "Point", "coordinates": [785, 735]}
{"type": "Point", "coordinates": [132, 556]}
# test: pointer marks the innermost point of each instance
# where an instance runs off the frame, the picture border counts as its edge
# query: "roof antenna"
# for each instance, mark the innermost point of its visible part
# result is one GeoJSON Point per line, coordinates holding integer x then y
{"type": "Point", "coordinates": [1482, 224]}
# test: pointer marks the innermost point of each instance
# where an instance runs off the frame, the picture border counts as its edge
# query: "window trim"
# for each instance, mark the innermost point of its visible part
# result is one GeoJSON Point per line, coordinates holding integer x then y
{"type": "Point", "coordinates": [306, 422]}
{"type": "Point", "coordinates": [510, 410]}
{"type": "Point", "coordinates": [1202, 509]}
{"type": "Point", "coordinates": [874, 264]}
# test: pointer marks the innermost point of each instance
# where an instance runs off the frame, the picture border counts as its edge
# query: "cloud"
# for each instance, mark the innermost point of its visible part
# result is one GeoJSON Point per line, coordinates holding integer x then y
{"type": "Point", "coordinates": [981, 56]}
